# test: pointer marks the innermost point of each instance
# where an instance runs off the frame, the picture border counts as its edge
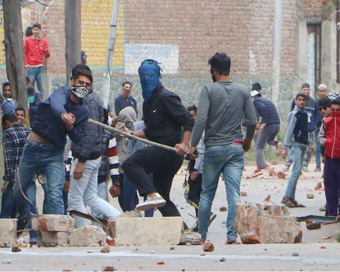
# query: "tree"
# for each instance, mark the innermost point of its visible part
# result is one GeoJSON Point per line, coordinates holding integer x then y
{"type": "Point", "coordinates": [14, 50]}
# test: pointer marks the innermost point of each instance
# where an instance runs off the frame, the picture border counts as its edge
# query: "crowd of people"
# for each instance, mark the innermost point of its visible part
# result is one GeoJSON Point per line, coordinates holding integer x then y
{"type": "Point", "coordinates": [74, 160]}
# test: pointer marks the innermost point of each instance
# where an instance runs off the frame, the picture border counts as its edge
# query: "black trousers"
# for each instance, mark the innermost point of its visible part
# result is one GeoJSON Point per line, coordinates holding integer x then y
{"type": "Point", "coordinates": [163, 164]}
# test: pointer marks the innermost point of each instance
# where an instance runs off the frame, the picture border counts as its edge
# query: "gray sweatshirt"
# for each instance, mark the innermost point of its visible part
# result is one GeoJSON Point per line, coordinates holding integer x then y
{"type": "Point", "coordinates": [221, 108]}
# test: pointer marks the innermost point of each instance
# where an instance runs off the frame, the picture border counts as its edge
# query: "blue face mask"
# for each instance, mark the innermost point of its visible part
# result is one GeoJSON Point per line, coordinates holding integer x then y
{"type": "Point", "coordinates": [149, 73]}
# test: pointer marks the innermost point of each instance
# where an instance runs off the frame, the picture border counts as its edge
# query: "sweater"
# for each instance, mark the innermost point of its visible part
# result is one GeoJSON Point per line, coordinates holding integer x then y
{"type": "Point", "coordinates": [221, 108]}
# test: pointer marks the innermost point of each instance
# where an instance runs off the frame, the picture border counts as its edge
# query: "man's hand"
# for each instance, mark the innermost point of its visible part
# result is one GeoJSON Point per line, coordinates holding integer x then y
{"type": "Point", "coordinates": [79, 170]}
{"type": "Point", "coordinates": [193, 153]}
{"type": "Point", "coordinates": [68, 119]}
{"type": "Point", "coordinates": [114, 190]}
{"type": "Point", "coordinates": [246, 145]}
{"type": "Point", "coordinates": [193, 175]}
{"type": "Point", "coordinates": [4, 186]}
{"type": "Point", "coordinates": [262, 126]}
{"type": "Point", "coordinates": [312, 149]}
{"type": "Point", "coordinates": [284, 153]}
{"type": "Point", "coordinates": [181, 149]}
{"type": "Point", "coordinates": [66, 187]}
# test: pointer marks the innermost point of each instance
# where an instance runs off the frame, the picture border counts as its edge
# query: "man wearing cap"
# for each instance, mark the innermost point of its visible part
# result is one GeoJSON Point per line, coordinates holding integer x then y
{"type": "Point", "coordinates": [269, 125]}
{"type": "Point", "coordinates": [311, 108]}
{"type": "Point", "coordinates": [167, 122]}
{"type": "Point", "coordinates": [35, 48]}
{"type": "Point", "coordinates": [62, 114]}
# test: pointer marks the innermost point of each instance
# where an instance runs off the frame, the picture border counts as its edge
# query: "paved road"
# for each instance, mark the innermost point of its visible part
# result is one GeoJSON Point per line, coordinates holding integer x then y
{"type": "Point", "coordinates": [315, 253]}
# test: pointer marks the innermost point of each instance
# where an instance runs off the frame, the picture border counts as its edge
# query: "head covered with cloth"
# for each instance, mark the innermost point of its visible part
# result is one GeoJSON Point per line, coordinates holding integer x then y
{"type": "Point", "coordinates": [149, 74]}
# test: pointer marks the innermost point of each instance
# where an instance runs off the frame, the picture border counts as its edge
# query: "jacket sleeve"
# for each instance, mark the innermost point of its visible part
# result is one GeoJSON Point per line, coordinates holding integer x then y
{"type": "Point", "coordinates": [113, 160]}
{"type": "Point", "coordinates": [9, 156]}
{"type": "Point", "coordinates": [117, 106]}
{"type": "Point", "coordinates": [290, 129]}
{"type": "Point", "coordinates": [249, 117]}
{"type": "Point", "coordinates": [46, 51]}
{"type": "Point", "coordinates": [57, 102]}
{"type": "Point", "coordinates": [322, 135]}
{"type": "Point", "coordinates": [178, 112]}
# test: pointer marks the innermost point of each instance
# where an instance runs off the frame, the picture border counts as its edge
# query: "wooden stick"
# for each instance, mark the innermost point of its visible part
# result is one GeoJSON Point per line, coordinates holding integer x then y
{"type": "Point", "coordinates": [143, 140]}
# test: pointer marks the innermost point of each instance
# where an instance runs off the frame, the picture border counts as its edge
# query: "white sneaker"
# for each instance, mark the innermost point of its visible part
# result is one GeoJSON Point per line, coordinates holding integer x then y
{"type": "Point", "coordinates": [151, 202]}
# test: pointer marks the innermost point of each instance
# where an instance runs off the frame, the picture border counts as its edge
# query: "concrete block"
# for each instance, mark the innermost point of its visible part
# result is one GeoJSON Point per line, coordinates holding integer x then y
{"type": "Point", "coordinates": [56, 222]}
{"type": "Point", "coordinates": [8, 229]}
{"type": "Point", "coordinates": [52, 239]}
{"type": "Point", "coordinates": [146, 231]}
{"type": "Point", "coordinates": [88, 236]}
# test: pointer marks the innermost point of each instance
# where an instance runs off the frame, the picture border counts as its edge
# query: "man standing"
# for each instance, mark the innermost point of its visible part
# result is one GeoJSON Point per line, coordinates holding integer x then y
{"type": "Point", "coordinates": [63, 113]}
{"type": "Point", "coordinates": [125, 99]}
{"type": "Point", "coordinates": [85, 165]}
{"type": "Point", "coordinates": [269, 127]}
{"type": "Point", "coordinates": [222, 106]}
{"type": "Point", "coordinates": [35, 48]}
{"type": "Point", "coordinates": [167, 122]}
{"type": "Point", "coordinates": [311, 108]}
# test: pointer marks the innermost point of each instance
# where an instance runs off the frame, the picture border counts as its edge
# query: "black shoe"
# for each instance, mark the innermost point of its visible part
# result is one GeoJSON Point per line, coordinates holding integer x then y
{"type": "Point", "coordinates": [22, 223]}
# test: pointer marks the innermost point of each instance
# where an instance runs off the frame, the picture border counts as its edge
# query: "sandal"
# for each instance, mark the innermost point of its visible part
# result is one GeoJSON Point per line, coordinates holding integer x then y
{"type": "Point", "coordinates": [288, 202]}
{"type": "Point", "coordinates": [231, 241]}
{"type": "Point", "coordinates": [297, 204]}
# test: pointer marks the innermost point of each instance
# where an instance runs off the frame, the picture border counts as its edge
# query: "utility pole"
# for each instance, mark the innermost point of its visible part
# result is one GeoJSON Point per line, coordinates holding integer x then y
{"type": "Point", "coordinates": [275, 94]}
{"type": "Point", "coordinates": [14, 50]}
{"type": "Point", "coordinates": [72, 35]}
{"type": "Point", "coordinates": [110, 50]}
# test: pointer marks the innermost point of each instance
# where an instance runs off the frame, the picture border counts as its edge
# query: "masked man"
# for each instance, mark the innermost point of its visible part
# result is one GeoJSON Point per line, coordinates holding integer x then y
{"type": "Point", "coordinates": [62, 114]}
{"type": "Point", "coordinates": [167, 122]}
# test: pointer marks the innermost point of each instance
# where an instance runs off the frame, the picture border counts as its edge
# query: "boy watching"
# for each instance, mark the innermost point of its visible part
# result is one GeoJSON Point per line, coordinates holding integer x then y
{"type": "Point", "coordinates": [297, 140]}
{"type": "Point", "coordinates": [329, 137]}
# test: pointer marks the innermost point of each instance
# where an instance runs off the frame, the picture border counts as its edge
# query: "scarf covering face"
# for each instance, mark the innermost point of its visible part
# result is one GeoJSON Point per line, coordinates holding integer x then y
{"type": "Point", "coordinates": [149, 73]}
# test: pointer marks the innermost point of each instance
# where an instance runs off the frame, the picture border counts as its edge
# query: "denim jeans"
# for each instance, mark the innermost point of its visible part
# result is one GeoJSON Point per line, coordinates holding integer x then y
{"type": "Point", "coordinates": [229, 160]}
{"type": "Point", "coordinates": [46, 202]}
{"type": "Point", "coordinates": [297, 151]}
{"type": "Point", "coordinates": [40, 157]}
{"type": "Point", "coordinates": [37, 74]}
{"type": "Point", "coordinates": [83, 192]}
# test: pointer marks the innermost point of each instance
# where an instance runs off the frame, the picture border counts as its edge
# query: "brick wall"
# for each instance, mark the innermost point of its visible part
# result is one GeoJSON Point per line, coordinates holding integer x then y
{"type": "Point", "coordinates": [189, 32]}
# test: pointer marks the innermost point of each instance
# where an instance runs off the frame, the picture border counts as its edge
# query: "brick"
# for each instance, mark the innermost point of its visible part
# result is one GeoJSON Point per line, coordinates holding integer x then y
{"type": "Point", "coordinates": [146, 231]}
{"type": "Point", "coordinates": [56, 222]}
{"type": "Point", "coordinates": [88, 236]}
{"type": "Point", "coordinates": [8, 229]}
{"type": "Point", "coordinates": [53, 238]}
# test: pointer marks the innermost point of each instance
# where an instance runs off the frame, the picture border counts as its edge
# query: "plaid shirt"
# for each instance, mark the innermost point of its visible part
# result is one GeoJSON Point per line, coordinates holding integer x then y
{"type": "Point", "coordinates": [13, 142]}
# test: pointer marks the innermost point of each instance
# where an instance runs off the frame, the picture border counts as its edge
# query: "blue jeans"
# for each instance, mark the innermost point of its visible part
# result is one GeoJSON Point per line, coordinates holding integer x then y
{"type": "Point", "coordinates": [229, 160]}
{"type": "Point", "coordinates": [37, 74]}
{"type": "Point", "coordinates": [40, 157]}
{"type": "Point", "coordinates": [297, 151]}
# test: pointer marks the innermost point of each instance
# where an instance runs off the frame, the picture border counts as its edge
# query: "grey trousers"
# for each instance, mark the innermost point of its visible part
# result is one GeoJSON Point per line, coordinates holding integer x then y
{"type": "Point", "coordinates": [266, 135]}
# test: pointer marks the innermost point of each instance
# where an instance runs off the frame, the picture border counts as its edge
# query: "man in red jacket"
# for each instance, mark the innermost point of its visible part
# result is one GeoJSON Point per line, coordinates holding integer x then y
{"type": "Point", "coordinates": [35, 48]}
{"type": "Point", "coordinates": [329, 137]}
